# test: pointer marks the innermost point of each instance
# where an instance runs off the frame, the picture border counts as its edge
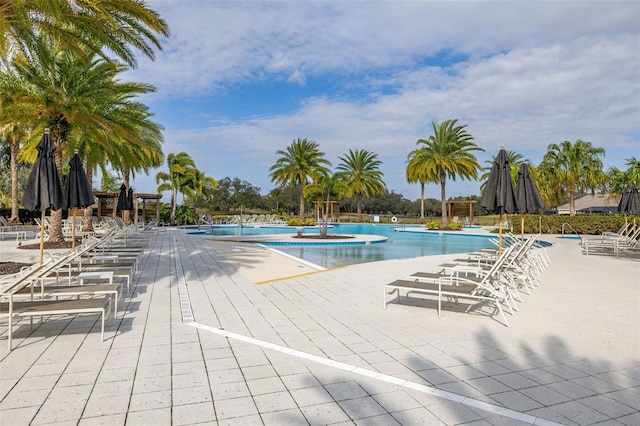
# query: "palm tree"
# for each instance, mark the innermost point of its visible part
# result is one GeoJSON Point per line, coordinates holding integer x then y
{"type": "Point", "coordinates": [182, 169]}
{"type": "Point", "coordinates": [619, 180]}
{"type": "Point", "coordinates": [13, 114]}
{"type": "Point", "coordinates": [322, 188]}
{"type": "Point", "coordinates": [573, 167]}
{"type": "Point", "coordinates": [415, 172]}
{"type": "Point", "coordinates": [198, 185]}
{"type": "Point", "coordinates": [82, 26]}
{"type": "Point", "coordinates": [448, 154]}
{"type": "Point", "coordinates": [622, 178]}
{"type": "Point", "coordinates": [79, 99]}
{"type": "Point", "coordinates": [123, 154]}
{"type": "Point", "coordinates": [360, 172]}
{"type": "Point", "coordinates": [297, 166]}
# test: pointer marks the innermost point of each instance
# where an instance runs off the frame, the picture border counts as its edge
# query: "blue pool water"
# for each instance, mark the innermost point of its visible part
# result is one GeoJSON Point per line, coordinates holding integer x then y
{"type": "Point", "coordinates": [400, 245]}
{"type": "Point", "coordinates": [570, 237]}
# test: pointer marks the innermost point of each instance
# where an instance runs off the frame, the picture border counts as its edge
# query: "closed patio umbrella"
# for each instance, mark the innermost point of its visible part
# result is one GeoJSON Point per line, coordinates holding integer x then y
{"type": "Point", "coordinates": [499, 196]}
{"type": "Point", "coordinates": [43, 189]}
{"type": "Point", "coordinates": [630, 202]}
{"type": "Point", "coordinates": [130, 198]}
{"type": "Point", "coordinates": [125, 201]}
{"type": "Point", "coordinates": [122, 199]}
{"type": "Point", "coordinates": [129, 202]}
{"type": "Point", "coordinates": [78, 191]}
{"type": "Point", "coordinates": [527, 196]}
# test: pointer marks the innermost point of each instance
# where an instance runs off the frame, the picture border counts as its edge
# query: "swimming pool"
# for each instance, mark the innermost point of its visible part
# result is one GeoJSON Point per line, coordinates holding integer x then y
{"type": "Point", "coordinates": [400, 244]}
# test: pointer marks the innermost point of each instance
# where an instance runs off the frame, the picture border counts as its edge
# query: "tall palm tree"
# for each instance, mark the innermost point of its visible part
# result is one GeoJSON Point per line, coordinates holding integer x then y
{"type": "Point", "coordinates": [122, 153]}
{"type": "Point", "coordinates": [448, 154]}
{"type": "Point", "coordinates": [82, 26]}
{"type": "Point", "coordinates": [324, 186]}
{"type": "Point", "coordinates": [74, 98]}
{"type": "Point", "coordinates": [297, 166]}
{"type": "Point", "coordinates": [620, 179]}
{"type": "Point", "coordinates": [199, 183]}
{"type": "Point", "coordinates": [415, 172]}
{"type": "Point", "coordinates": [360, 171]}
{"type": "Point", "coordinates": [573, 167]}
{"type": "Point", "coordinates": [13, 116]}
{"type": "Point", "coordinates": [182, 170]}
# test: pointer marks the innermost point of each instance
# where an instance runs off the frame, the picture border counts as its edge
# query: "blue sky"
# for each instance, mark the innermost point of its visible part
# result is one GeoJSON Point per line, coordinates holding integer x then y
{"type": "Point", "coordinates": [239, 80]}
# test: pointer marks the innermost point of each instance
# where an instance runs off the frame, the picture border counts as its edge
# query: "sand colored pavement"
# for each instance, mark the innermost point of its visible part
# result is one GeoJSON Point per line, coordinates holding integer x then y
{"type": "Point", "coordinates": [198, 341]}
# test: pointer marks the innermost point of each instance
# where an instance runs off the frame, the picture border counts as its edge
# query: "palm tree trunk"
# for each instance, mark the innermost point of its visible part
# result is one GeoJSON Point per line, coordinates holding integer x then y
{"type": "Point", "coordinates": [55, 226]}
{"type": "Point", "coordinates": [172, 219]}
{"type": "Point", "coordinates": [443, 197]}
{"type": "Point", "coordinates": [572, 203]}
{"type": "Point", "coordinates": [87, 226]}
{"type": "Point", "coordinates": [301, 213]}
{"type": "Point", "coordinates": [15, 213]}
{"type": "Point", "coordinates": [359, 208]}
{"type": "Point", "coordinates": [126, 213]}
{"type": "Point", "coordinates": [422, 201]}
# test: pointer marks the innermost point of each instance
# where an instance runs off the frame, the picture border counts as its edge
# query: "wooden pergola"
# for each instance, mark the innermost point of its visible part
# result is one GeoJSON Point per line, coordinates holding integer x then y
{"type": "Point", "coordinates": [108, 201]}
{"type": "Point", "coordinates": [144, 198]}
{"type": "Point", "coordinates": [450, 205]}
{"type": "Point", "coordinates": [333, 206]}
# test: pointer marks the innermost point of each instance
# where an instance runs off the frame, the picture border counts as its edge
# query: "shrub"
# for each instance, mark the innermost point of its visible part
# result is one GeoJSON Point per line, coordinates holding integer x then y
{"type": "Point", "coordinates": [455, 226]}
{"type": "Point", "coordinates": [583, 224]}
{"type": "Point", "coordinates": [186, 216]}
{"type": "Point", "coordinates": [295, 221]}
{"type": "Point", "coordinates": [434, 224]}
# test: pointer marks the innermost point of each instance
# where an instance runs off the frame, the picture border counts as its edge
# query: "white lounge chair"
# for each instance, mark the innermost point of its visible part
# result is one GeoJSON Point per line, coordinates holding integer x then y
{"type": "Point", "coordinates": [487, 288]}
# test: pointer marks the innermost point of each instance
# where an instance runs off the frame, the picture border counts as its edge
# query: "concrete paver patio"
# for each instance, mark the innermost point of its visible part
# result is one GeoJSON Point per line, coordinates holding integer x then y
{"type": "Point", "coordinates": [198, 342]}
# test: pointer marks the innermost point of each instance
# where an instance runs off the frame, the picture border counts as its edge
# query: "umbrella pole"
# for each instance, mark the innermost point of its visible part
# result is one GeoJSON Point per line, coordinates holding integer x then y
{"type": "Point", "coordinates": [73, 232]}
{"type": "Point", "coordinates": [522, 227]}
{"type": "Point", "coordinates": [500, 236]}
{"type": "Point", "coordinates": [42, 236]}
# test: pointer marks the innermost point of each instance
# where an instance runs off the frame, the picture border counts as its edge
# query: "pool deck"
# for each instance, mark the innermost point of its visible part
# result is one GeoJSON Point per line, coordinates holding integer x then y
{"type": "Point", "coordinates": [198, 341]}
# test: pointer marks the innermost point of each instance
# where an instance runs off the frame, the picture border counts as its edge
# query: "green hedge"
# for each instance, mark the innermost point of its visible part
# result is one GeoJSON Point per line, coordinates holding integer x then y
{"type": "Point", "coordinates": [591, 224]}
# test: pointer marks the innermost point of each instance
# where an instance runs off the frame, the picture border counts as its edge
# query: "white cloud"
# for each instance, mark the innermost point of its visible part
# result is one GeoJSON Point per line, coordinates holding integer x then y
{"type": "Point", "coordinates": [528, 74]}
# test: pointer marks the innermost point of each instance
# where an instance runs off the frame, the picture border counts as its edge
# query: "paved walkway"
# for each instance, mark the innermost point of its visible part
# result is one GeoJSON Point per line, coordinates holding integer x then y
{"type": "Point", "coordinates": [199, 342]}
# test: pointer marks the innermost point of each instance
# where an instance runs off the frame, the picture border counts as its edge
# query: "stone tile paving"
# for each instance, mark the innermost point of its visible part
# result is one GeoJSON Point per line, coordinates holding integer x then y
{"type": "Point", "coordinates": [154, 369]}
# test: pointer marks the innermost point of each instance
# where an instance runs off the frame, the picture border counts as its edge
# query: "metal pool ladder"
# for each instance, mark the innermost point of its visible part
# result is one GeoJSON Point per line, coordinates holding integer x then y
{"type": "Point", "coordinates": [572, 228]}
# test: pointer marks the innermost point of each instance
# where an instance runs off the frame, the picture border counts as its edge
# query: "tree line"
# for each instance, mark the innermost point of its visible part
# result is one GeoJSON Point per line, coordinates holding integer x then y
{"type": "Point", "coordinates": [302, 175]}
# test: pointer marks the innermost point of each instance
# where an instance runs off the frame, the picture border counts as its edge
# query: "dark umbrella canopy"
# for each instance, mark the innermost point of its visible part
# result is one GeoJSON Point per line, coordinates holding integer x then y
{"type": "Point", "coordinates": [124, 203]}
{"type": "Point", "coordinates": [130, 198]}
{"type": "Point", "coordinates": [528, 199]}
{"type": "Point", "coordinates": [44, 190]}
{"type": "Point", "coordinates": [78, 191]}
{"type": "Point", "coordinates": [630, 201]}
{"type": "Point", "coordinates": [499, 196]}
